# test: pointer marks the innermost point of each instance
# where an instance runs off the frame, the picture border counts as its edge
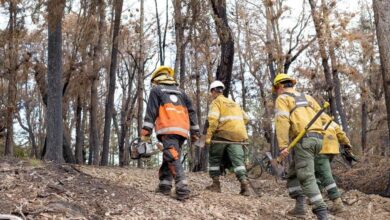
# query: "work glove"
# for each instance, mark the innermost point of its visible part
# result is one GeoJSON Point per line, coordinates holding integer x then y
{"type": "Point", "coordinates": [145, 135]}
{"type": "Point", "coordinates": [194, 137]}
{"type": "Point", "coordinates": [208, 141]}
{"type": "Point", "coordinates": [145, 138]}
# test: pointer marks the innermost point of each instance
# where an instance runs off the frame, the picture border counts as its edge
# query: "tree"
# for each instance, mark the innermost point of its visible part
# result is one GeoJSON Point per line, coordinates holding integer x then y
{"type": "Point", "coordinates": [54, 78]}
{"type": "Point", "coordinates": [382, 23]}
{"type": "Point", "coordinates": [225, 67]}
{"type": "Point", "coordinates": [140, 83]}
{"type": "Point", "coordinates": [12, 72]}
{"type": "Point", "coordinates": [111, 90]}
{"type": "Point", "coordinates": [94, 141]}
{"type": "Point", "coordinates": [161, 36]}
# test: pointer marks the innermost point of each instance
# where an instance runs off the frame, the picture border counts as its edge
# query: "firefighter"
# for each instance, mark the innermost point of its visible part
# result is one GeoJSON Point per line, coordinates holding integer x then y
{"type": "Point", "coordinates": [226, 123]}
{"type": "Point", "coordinates": [333, 137]}
{"type": "Point", "coordinates": [169, 111]}
{"type": "Point", "coordinates": [293, 111]}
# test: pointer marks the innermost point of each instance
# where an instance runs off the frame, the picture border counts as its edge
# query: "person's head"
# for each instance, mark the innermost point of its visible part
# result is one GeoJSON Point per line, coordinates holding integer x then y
{"type": "Point", "coordinates": [163, 74]}
{"type": "Point", "coordinates": [216, 88]}
{"type": "Point", "coordinates": [283, 81]}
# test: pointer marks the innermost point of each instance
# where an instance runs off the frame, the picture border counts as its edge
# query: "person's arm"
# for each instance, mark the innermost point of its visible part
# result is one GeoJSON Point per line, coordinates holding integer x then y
{"type": "Point", "coordinates": [213, 120]}
{"type": "Point", "coordinates": [245, 117]}
{"type": "Point", "coordinates": [282, 122]}
{"type": "Point", "coordinates": [341, 136]}
{"type": "Point", "coordinates": [194, 126]}
{"type": "Point", "coordinates": [151, 112]}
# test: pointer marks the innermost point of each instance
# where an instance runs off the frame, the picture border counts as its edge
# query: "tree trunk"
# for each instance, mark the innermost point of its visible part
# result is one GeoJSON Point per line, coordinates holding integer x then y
{"type": "Point", "coordinates": [161, 36]}
{"type": "Point", "coordinates": [79, 132]}
{"type": "Point", "coordinates": [12, 89]}
{"type": "Point", "coordinates": [124, 116]}
{"type": "Point", "coordinates": [224, 70]}
{"type": "Point", "coordinates": [140, 89]}
{"type": "Point", "coordinates": [324, 58]}
{"type": "Point", "coordinates": [111, 88]}
{"type": "Point", "coordinates": [335, 73]}
{"type": "Point", "coordinates": [382, 23]}
{"type": "Point", "coordinates": [34, 147]}
{"type": "Point", "coordinates": [54, 144]}
{"type": "Point", "coordinates": [180, 45]}
{"type": "Point", "coordinates": [179, 36]}
{"type": "Point", "coordinates": [94, 140]}
{"type": "Point", "coordinates": [240, 58]}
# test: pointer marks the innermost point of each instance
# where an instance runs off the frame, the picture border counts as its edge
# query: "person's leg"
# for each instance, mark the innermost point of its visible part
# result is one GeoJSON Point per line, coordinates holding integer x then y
{"type": "Point", "coordinates": [295, 191]}
{"type": "Point", "coordinates": [324, 173]}
{"type": "Point", "coordinates": [165, 178]}
{"type": "Point", "coordinates": [215, 159]}
{"type": "Point", "coordinates": [236, 155]}
{"type": "Point", "coordinates": [304, 157]}
{"type": "Point", "coordinates": [171, 154]}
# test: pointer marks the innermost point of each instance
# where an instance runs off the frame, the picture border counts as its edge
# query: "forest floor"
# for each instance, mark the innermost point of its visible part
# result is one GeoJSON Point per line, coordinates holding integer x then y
{"type": "Point", "coordinates": [35, 190]}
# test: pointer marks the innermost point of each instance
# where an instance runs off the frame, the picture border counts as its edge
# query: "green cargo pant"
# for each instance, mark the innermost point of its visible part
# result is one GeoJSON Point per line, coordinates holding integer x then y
{"type": "Point", "coordinates": [325, 177]}
{"type": "Point", "coordinates": [236, 155]}
{"type": "Point", "coordinates": [301, 178]}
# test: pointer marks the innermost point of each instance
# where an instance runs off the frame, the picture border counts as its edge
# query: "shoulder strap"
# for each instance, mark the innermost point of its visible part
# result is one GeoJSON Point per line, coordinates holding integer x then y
{"type": "Point", "coordinates": [300, 101]}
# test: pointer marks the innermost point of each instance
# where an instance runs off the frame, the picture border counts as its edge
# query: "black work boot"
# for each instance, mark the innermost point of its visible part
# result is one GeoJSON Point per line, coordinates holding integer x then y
{"type": "Point", "coordinates": [245, 188]}
{"type": "Point", "coordinates": [164, 189]}
{"type": "Point", "coordinates": [182, 190]}
{"type": "Point", "coordinates": [216, 186]}
{"type": "Point", "coordinates": [299, 209]}
{"type": "Point", "coordinates": [322, 213]}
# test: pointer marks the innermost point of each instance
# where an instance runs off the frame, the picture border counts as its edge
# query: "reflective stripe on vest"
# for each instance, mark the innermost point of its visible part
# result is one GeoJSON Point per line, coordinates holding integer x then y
{"type": "Point", "coordinates": [172, 129]}
{"type": "Point", "coordinates": [227, 118]}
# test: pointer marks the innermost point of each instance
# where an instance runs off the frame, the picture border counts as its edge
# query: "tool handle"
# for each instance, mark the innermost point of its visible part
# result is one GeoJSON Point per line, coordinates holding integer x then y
{"type": "Point", "coordinates": [328, 124]}
{"type": "Point", "coordinates": [229, 142]}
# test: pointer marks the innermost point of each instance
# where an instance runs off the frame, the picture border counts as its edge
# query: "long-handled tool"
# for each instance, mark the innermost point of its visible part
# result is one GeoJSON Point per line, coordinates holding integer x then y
{"type": "Point", "coordinates": [275, 163]}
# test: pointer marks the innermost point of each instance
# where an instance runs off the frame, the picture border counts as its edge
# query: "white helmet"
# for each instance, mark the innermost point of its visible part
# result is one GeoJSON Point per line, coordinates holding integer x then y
{"type": "Point", "coordinates": [216, 84]}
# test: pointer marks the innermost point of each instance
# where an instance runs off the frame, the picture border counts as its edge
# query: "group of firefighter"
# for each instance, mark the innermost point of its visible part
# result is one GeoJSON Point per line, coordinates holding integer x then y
{"type": "Point", "coordinates": [171, 114]}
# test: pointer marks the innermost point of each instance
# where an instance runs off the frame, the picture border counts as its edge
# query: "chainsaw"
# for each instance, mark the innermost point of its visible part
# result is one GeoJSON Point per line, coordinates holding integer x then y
{"type": "Point", "coordinates": [140, 149]}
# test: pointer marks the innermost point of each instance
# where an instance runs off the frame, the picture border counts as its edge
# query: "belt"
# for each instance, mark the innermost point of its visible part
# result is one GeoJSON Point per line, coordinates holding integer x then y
{"type": "Point", "coordinates": [313, 134]}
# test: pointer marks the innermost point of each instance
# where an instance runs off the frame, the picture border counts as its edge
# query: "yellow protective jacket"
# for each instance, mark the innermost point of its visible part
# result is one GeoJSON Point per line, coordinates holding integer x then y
{"type": "Point", "coordinates": [332, 137]}
{"type": "Point", "coordinates": [289, 121]}
{"type": "Point", "coordinates": [226, 120]}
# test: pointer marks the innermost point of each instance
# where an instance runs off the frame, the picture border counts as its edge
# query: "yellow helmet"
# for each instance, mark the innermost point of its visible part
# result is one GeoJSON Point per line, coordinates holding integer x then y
{"type": "Point", "coordinates": [282, 77]}
{"type": "Point", "coordinates": [162, 70]}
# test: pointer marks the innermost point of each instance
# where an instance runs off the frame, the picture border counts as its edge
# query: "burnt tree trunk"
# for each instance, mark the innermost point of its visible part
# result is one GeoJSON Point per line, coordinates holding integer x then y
{"type": "Point", "coordinates": [79, 132]}
{"type": "Point", "coordinates": [224, 70]}
{"type": "Point", "coordinates": [124, 122]}
{"type": "Point", "coordinates": [54, 151]}
{"type": "Point", "coordinates": [180, 45]}
{"type": "Point", "coordinates": [140, 84]}
{"type": "Point", "coordinates": [111, 87]}
{"type": "Point", "coordinates": [382, 23]}
{"type": "Point", "coordinates": [335, 72]}
{"type": "Point", "coordinates": [94, 140]}
{"type": "Point", "coordinates": [324, 57]}
{"type": "Point", "coordinates": [12, 89]}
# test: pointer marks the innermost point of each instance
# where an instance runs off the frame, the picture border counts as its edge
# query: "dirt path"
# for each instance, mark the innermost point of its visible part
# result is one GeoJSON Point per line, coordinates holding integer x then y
{"type": "Point", "coordinates": [44, 191]}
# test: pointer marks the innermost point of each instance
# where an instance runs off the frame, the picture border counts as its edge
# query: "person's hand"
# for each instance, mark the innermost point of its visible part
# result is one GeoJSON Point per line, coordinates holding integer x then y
{"type": "Point", "coordinates": [208, 141]}
{"type": "Point", "coordinates": [194, 138]}
{"type": "Point", "coordinates": [145, 138]}
{"type": "Point", "coordinates": [348, 147]}
{"type": "Point", "coordinates": [145, 132]}
{"type": "Point", "coordinates": [284, 153]}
